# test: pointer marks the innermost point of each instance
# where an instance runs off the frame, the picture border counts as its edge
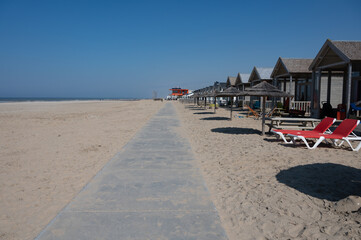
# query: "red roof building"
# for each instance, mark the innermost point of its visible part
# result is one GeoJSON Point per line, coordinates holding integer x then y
{"type": "Point", "coordinates": [178, 92]}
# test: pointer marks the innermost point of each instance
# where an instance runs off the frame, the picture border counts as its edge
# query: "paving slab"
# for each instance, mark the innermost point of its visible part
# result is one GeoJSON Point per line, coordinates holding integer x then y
{"type": "Point", "coordinates": [151, 189]}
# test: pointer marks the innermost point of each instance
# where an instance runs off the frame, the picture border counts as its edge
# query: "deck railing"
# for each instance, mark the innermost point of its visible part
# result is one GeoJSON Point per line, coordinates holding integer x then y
{"type": "Point", "coordinates": [302, 105]}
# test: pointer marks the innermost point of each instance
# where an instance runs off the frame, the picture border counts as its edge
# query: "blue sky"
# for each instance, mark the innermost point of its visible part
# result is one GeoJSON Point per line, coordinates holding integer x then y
{"type": "Point", "coordinates": [132, 48]}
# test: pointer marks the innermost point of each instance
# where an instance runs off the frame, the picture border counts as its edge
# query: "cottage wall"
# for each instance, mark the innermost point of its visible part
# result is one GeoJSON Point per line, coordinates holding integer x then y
{"type": "Point", "coordinates": [336, 90]}
{"type": "Point", "coordinates": [288, 86]}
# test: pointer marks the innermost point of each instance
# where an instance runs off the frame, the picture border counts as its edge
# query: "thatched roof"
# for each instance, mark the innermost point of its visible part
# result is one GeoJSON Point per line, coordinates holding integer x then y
{"type": "Point", "coordinates": [229, 92]}
{"type": "Point", "coordinates": [264, 89]}
{"type": "Point", "coordinates": [334, 52]}
{"type": "Point", "coordinates": [290, 66]}
{"type": "Point", "coordinates": [260, 74]}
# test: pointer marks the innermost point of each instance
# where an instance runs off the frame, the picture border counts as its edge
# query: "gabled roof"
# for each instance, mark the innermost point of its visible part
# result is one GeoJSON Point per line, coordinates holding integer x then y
{"type": "Point", "coordinates": [337, 53]}
{"type": "Point", "coordinates": [260, 74]}
{"type": "Point", "coordinates": [242, 78]}
{"type": "Point", "coordinates": [245, 77]}
{"type": "Point", "coordinates": [231, 81]}
{"type": "Point", "coordinates": [352, 49]}
{"type": "Point", "coordinates": [288, 66]}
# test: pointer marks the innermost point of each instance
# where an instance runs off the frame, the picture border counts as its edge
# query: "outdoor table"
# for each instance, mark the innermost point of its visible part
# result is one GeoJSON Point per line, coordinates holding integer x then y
{"type": "Point", "coordinates": [292, 123]}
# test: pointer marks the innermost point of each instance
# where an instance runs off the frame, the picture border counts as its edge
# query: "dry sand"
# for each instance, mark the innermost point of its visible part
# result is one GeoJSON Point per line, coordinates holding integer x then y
{"type": "Point", "coordinates": [264, 189]}
{"type": "Point", "coordinates": [50, 150]}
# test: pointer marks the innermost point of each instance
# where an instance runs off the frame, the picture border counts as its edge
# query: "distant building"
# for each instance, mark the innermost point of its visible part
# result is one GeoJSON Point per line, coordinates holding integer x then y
{"type": "Point", "coordinates": [178, 92]}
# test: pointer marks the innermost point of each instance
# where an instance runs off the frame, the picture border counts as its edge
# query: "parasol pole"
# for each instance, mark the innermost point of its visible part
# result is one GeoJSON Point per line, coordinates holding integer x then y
{"type": "Point", "coordinates": [215, 102]}
{"type": "Point", "coordinates": [231, 108]}
{"type": "Point", "coordinates": [263, 112]}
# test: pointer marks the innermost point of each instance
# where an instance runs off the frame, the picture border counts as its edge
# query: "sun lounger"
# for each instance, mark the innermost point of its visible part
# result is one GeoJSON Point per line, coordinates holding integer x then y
{"type": "Point", "coordinates": [253, 112]}
{"type": "Point", "coordinates": [322, 127]}
{"type": "Point", "coordinates": [341, 133]}
{"type": "Point", "coordinates": [348, 141]}
{"type": "Point", "coordinates": [270, 113]}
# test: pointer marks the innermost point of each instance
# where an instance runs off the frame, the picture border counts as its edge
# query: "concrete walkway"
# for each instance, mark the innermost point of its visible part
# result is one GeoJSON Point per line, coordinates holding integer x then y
{"type": "Point", "coordinates": [152, 189]}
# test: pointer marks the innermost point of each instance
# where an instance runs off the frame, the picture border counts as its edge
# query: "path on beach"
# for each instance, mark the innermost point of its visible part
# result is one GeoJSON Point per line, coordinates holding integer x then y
{"type": "Point", "coordinates": [152, 189]}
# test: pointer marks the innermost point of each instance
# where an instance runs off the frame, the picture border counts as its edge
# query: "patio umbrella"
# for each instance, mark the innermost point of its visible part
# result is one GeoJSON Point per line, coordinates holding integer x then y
{"type": "Point", "coordinates": [229, 92]}
{"type": "Point", "coordinates": [264, 90]}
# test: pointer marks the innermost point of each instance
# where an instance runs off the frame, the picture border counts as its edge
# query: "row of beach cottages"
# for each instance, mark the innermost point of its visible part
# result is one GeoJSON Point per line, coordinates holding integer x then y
{"type": "Point", "coordinates": [333, 77]}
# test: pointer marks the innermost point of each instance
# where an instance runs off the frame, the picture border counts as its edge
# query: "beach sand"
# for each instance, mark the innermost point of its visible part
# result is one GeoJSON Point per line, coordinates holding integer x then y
{"type": "Point", "coordinates": [264, 189]}
{"type": "Point", "coordinates": [50, 150]}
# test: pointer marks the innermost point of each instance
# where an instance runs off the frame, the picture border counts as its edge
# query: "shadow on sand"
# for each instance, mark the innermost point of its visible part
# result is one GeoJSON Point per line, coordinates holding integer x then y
{"type": "Point", "coordinates": [215, 118]}
{"type": "Point", "coordinates": [235, 130]}
{"type": "Point", "coordinates": [272, 140]}
{"type": "Point", "coordinates": [203, 113]}
{"type": "Point", "coordinates": [301, 145]}
{"type": "Point", "coordinates": [194, 108]}
{"type": "Point", "coordinates": [328, 181]}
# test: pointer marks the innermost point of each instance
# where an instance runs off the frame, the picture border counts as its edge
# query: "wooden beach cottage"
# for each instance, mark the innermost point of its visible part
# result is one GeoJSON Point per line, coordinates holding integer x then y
{"type": "Point", "coordinates": [242, 81]}
{"type": "Point", "coordinates": [241, 84]}
{"type": "Point", "coordinates": [231, 81]}
{"type": "Point", "coordinates": [334, 59]}
{"type": "Point", "coordinates": [293, 76]}
{"type": "Point", "coordinates": [257, 76]}
{"type": "Point", "coordinates": [260, 74]}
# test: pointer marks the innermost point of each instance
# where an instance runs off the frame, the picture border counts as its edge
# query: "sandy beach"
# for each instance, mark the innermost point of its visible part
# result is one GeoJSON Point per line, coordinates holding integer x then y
{"type": "Point", "coordinates": [264, 189]}
{"type": "Point", "coordinates": [50, 150]}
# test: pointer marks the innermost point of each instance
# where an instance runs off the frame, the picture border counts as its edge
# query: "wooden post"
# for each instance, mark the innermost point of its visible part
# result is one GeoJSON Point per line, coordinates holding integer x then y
{"type": "Point", "coordinates": [284, 89]}
{"type": "Point", "coordinates": [276, 84]}
{"type": "Point", "coordinates": [205, 103]}
{"type": "Point", "coordinates": [263, 113]}
{"type": "Point", "coordinates": [231, 108]}
{"type": "Point", "coordinates": [215, 102]}
{"type": "Point", "coordinates": [348, 88]}
{"type": "Point", "coordinates": [290, 88]}
{"type": "Point", "coordinates": [312, 93]}
{"type": "Point", "coordinates": [315, 97]}
{"type": "Point", "coordinates": [329, 88]}
{"type": "Point", "coordinates": [273, 98]}
{"type": "Point", "coordinates": [318, 92]}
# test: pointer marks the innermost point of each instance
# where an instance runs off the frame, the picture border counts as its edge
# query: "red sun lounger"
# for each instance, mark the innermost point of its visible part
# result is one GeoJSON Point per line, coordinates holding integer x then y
{"type": "Point", "coordinates": [322, 127]}
{"type": "Point", "coordinates": [342, 133]}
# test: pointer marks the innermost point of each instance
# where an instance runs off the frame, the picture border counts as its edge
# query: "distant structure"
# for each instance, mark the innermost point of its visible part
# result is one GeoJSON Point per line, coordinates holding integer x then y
{"type": "Point", "coordinates": [178, 92]}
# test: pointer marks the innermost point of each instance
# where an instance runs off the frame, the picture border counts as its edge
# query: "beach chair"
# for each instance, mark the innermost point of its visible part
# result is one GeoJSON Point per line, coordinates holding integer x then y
{"type": "Point", "coordinates": [322, 127]}
{"type": "Point", "coordinates": [270, 113]}
{"type": "Point", "coordinates": [252, 112]}
{"type": "Point", "coordinates": [341, 133]}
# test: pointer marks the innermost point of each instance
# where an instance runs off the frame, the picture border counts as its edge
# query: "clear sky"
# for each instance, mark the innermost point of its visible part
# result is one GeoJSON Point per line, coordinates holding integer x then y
{"type": "Point", "coordinates": [87, 48]}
